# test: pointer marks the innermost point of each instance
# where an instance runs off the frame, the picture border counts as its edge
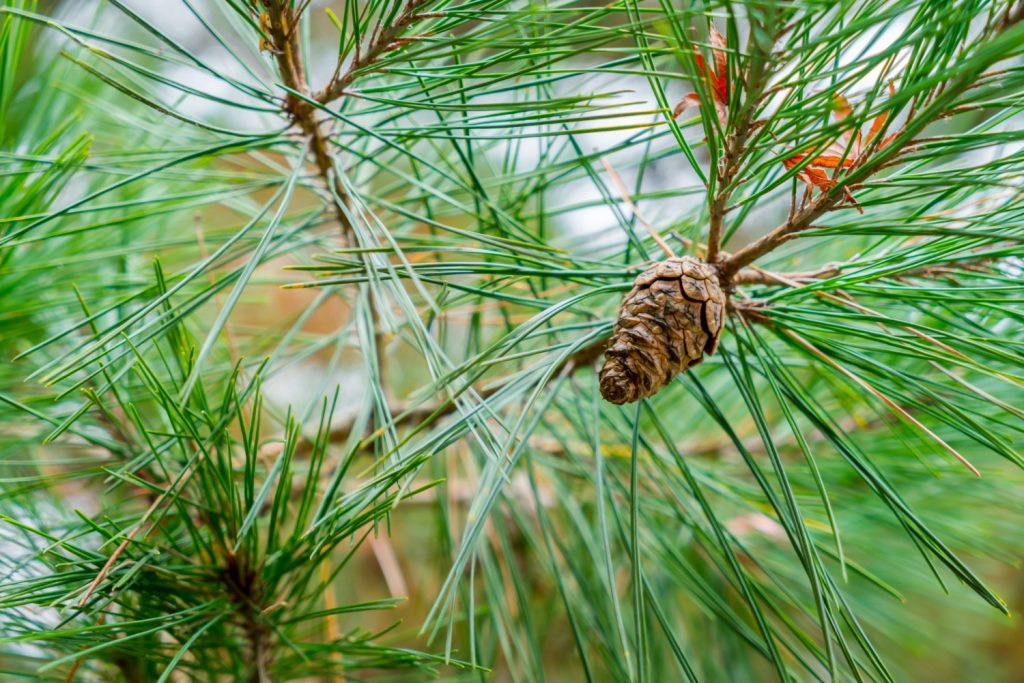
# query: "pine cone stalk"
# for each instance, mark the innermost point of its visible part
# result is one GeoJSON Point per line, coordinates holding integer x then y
{"type": "Point", "coordinates": [672, 317]}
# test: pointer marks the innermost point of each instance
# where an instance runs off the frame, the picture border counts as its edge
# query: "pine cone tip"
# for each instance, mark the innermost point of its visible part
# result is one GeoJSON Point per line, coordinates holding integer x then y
{"type": "Point", "coordinates": [618, 384]}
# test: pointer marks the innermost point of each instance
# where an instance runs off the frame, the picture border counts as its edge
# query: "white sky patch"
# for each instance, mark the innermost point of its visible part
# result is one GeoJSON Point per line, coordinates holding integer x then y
{"type": "Point", "coordinates": [305, 385]}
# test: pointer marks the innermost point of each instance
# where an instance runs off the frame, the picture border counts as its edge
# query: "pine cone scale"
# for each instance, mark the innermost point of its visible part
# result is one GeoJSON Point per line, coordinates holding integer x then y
{"type": "Point", "coordinates": [668, 321]}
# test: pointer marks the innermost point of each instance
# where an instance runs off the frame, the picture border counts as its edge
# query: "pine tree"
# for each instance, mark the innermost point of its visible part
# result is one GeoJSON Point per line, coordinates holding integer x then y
{"type": "Point", "coordinates": [304, 308]}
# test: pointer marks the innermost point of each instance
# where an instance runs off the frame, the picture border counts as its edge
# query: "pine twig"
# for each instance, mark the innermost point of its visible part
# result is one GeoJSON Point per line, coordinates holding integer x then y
{"type": "Point", "coordinates": [756, 78]}
{"type": "Point", "coordinates": [384, 40]}
{"type": "Point", "coordinates": [586, 356]}
{"type": "Point", "coordinates": [759, 276]}
{"type": "Point", "coordinates": [875, 157]}
{"type": "Point", "coordinates": [282, 23]}
{"type": "Point", "coordinates": [244, 589]}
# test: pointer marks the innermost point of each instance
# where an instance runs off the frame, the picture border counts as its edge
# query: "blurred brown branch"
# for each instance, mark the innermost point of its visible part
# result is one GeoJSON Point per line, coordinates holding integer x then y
{"type": "Point", "coordinates": [418, 415]}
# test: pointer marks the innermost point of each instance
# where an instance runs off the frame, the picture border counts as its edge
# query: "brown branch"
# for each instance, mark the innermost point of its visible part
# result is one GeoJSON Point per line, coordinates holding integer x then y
{"type": "Point", "coordinates": [178, 484]}
{"type": "Point", "coordinates": [870, 161]}
{"type": "Point", "coordinates": [778, 236]}
{"type": "Point", "coordinates": [282, 21]}
{"type": "Point", "coordinates": [282, 24]}
{"type": "Point", "coordinates": [758, 276]}
{"type": "Point", "coordinates": [247, 593]}
{"type": "Point", "coordinates": [94, 584]}
{"type": "Point", "coordinates": [1013, 15]}
{"type": "Point", "coordinates": [756, 78]}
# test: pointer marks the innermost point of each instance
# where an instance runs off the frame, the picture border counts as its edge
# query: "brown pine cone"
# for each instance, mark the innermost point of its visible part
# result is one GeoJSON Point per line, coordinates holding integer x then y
{"type": "Point", "coordinates": [673, 316]}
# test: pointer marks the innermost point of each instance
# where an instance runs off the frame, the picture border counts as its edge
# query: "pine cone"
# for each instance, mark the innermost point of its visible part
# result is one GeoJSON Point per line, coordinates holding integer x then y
{"type": "Point", "coordinates": [673, 316]}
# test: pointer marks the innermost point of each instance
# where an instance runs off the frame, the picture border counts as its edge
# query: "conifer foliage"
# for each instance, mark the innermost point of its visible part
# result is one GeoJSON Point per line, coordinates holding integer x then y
{"type": "Point", "coordinates": [509, 340]}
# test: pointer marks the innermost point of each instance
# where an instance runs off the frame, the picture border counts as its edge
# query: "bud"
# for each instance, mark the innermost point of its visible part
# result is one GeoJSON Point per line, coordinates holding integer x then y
{"type": "Point", "coordinates": [673, 316]}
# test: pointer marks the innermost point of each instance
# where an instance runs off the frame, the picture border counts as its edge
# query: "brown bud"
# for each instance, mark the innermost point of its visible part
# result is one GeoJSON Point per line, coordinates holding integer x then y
{"type": "Point", "coordinates": [673, 316]}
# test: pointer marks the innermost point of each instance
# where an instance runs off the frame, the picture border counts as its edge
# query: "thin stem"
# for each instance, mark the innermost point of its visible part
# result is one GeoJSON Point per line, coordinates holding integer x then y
{"type": "Point", "coordinates": [382, 42]}
{"type": "Point", "coordinates": [245, 590]}
{"type": "Point", "coordinates": [620, 187]}
{"type": "Point", "coordinates": [759, 276]}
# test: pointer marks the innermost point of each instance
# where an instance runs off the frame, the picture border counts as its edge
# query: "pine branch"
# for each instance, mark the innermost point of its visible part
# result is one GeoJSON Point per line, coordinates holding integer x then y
{"type": "Point", "coordinates": [752, 308]}
{"type": "Point", "coordinates": [757, 74]}
{"type": "Point", "coordinates": [873, 158]}
{"type": "Point", "coordinates": [757, 276]}
{"type": "Point", "coordinates": [944, 268]}
{"type": "Point", "coordinates": [282, 20]}
{"type": "Point", "coordinates": [243, 586]}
